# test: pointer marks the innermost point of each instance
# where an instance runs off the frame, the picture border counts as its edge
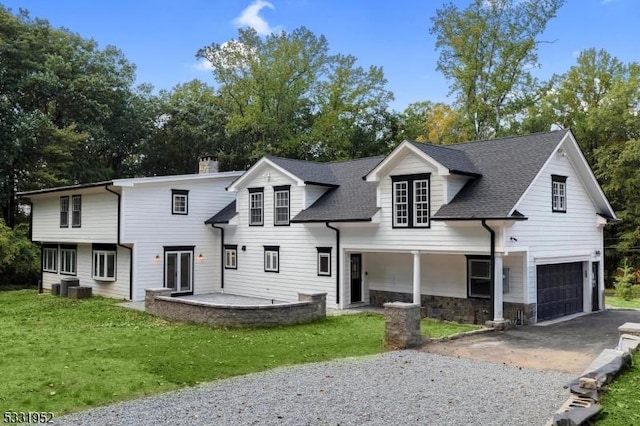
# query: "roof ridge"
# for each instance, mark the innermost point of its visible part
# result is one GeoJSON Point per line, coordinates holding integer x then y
{"type": "Point", "coordinates": [510, 137]}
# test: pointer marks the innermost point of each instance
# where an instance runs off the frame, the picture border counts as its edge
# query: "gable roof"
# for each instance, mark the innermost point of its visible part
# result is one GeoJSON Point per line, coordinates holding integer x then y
{"type": "Point", "coordinates": [507, 167]}
{"type": "Point", "coordinates": [309, 172]}
{"type": "Point", "coordinates": [455, 160]}
{"type": "Point", "coordinates": [353, 200]}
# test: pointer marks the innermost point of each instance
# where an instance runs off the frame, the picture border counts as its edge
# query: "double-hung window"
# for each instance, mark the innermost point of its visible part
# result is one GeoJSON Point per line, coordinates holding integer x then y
{"type": "Point", "coordinates": [281, 205]}
{"type": "Point", "coordinates": [479, 276]}
{"type": "Point", "coordinates": [272, 258]}
{"type": "Point", "coordinates": [104, 262]}
{"type": "Point", "coordinates": [558, 194]}
{"type": "Point", "coordinates": [256, 206]}
{"type": "Point", "coordinates": [180, 201]}
{"type": "Point", "coordinates": [68, 259]}
{"type": "Point", "coordinates": [411, 201]}
{"type": "Point", "coordinates": [324, 261]}
{"type": "Point", "coordinates": [76, 211]}
{"type": "Point", "coordinates": [230, 256]}
{"type": "Point", "coordinates": [64, 212]}
{"type": "Point", "coordinates": [50, 258]}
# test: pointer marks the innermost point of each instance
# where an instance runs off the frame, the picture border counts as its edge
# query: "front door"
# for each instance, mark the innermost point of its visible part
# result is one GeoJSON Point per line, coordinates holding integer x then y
{"type": "Point", "coordinates": [179, 271]}
{"type": "Point", "coordinates": [356, 278]}
{"type": "Point", "coordinates": [595, 293]}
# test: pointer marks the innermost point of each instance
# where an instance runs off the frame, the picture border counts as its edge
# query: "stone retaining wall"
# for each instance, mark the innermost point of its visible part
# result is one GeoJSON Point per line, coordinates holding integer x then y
{"type": "Point", "coordinates": [311, 307]}
{"type": "Point", "coordinates": [473, 311]}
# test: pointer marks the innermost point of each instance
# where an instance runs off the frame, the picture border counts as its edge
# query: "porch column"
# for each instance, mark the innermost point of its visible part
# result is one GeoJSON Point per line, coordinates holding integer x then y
{"type": "Point", "coordinates": [498, 309]}
{"type": "Point", "coordinates": [416, 277]}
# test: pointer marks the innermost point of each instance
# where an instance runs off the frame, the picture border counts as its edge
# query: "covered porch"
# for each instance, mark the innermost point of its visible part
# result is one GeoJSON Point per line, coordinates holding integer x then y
{"type": "Point", "coordinates": [465, 287]}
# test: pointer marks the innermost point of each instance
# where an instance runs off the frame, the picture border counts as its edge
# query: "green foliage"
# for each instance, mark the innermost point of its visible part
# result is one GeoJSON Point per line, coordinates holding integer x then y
{"type": "Point", "coordinates": [432, 122]}
{"type": "Point", "coordinates": [19, 257]}
{"type": "Point", "coordinates": [625, 285]}
{"type": "Point", "coordinates": [284, 94]}
{"type": "Point", "coordinates": [486, 52]}
{"type": "Point", "coordinates": [620, 401]}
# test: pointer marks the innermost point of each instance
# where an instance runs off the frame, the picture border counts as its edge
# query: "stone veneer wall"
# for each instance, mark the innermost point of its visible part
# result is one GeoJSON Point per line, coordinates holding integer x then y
{"type": "Point", "coordinates": [474, 311]}
{"type": "Point", "coordinates": [310, 307]}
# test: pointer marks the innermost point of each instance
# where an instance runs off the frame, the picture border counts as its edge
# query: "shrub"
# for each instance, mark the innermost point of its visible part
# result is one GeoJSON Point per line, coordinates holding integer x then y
{"type": "Point", "coordinates": [19, 257]}
{"type": "Point", "coordinates": [625, 282]}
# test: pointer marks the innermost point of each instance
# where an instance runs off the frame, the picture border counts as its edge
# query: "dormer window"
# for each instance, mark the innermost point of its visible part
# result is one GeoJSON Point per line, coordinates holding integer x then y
{"type": "Point", "coordinates": [558, 194]}
{"type": "Point", "coordinates": [281, 205]}
{"type": "Point", "coordinates": [411, 201]}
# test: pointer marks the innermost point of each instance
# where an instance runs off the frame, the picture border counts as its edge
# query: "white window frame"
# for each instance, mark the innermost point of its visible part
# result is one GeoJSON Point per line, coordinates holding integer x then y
{"type": "Point", "coordinates": [231, 257]}
{"type": "Point", "coordinates": [421, 207]}
{"type": "Point", "coordinates": [101, 261]}
{"type": "Point", "coordinates": [68, 265]}
{"type": "Point", "coordinates": [256, 204]}
{"type": "Point", "coordinates": [281, 205]}
{"type": "Point", "coordinates": [272, 259]}
{"type": "Point", "coordinates": [179, 202]}
{"type": "Point", "coordinates": [401, 220]}
{"type": "Point", "coordinates": [76, 211]}
{"type": "Point", "coordinates": [471, 277]}
{"type": "Point", "coordinates": [50, 259]}
{"type": "Point", "coordinates": [324, 253]}
{"type": "Point", "coordinates": [559, 194]}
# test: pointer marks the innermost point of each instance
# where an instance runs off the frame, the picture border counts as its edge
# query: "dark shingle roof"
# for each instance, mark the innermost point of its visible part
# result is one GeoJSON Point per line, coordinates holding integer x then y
{"type": "Point", "coordinates": [308, 171]}
{"type": "Point", "coordinates": [508, 166]}
{"type": "Point", "coordinates": [353, 200]}
{"type": "Point", "coordinates": [455, 160]}
{"type": "Point", "coordinates": [224, 215]}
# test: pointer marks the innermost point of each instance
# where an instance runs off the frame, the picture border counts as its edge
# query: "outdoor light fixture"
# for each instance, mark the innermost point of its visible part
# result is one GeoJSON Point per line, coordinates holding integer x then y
{"type": "Point", "coordinates": [200, 257]}
{"type": "Point", "coordinates": [156, 259]}
{"type": "Point", "coordinates": [244, 248]}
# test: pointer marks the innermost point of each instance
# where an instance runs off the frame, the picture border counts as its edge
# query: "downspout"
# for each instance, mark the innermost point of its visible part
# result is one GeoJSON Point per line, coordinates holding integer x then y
{"type": "Point", "coordinates": [337, 260]}
{"type": "Point", "coordinates": [106, 187]}
{"type": "Point", "coordinates": [493, 265]}
{"type": "Point", "coordinates": [221, 255]}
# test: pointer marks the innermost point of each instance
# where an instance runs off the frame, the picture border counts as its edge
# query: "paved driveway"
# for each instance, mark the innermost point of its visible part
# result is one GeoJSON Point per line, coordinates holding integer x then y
{"type": "Point", "coordinates": [567, 346]}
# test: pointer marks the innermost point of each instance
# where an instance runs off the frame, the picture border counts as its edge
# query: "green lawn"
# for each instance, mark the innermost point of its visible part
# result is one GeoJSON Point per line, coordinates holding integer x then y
{"type": "Point", "coordinates": [435, 328]}
{"type": "Point", "coordinates": [63, 355]}
{"type": "Point", "coordinates": [617, 302]}
{"type": "Point", "coordinates": [622, 398]}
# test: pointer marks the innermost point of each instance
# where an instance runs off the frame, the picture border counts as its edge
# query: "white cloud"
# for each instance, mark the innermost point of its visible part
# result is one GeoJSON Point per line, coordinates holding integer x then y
{"type": "Point", "coordinates": [203, 65]}
{"type": "Point", "coordinates": [250, 17]}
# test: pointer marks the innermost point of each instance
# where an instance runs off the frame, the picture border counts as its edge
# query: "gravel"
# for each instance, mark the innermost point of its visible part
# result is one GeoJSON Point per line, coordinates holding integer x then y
{"type": "Point", "coordinates": [394, 388]}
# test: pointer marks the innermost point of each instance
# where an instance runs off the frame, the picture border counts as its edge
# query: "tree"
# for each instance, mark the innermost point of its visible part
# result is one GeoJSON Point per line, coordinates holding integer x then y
{"type": "Point", "coordinates": [598, 98]}
{"type": "Point", "coordinates": [287, 96]}
{"type": "Point", "coordinates": [68, 110]}
{"type": "Point", "coordinates": [618, 169]}
{"type": "Point", "coordinates": [486, 52]}
{"type": "Point", "coordinates": [432, 122]}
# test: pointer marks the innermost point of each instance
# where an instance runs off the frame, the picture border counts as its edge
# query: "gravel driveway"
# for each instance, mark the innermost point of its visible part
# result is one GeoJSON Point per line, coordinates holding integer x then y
{"type": "Point", "coordinates": [394, 388]}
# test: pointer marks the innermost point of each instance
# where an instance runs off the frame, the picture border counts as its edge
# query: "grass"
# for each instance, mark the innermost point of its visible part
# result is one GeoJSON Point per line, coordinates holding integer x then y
{"type": "Point", "coordinates": [620, 403]}
{"type": "Point", "coordinates": [64, 355]}
{"type": "Point", "coordinates": [436, 328]}
{"type": "Point", "coordinates": [618, 302]}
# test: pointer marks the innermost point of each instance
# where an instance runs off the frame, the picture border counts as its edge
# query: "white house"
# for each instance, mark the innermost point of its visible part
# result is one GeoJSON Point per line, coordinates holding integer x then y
{"type": "Point", "coordinates": [509, 228]}
{"type": "Point", "coordinates": [125, 235]}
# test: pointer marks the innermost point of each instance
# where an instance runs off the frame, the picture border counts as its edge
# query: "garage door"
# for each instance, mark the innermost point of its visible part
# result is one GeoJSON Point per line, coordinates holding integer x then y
{"type": "Point", "coordinates": [559, 290]}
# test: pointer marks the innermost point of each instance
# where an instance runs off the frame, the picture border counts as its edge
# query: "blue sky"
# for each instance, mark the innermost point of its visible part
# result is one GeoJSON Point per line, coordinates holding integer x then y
{"type": "Point", "coordinates": [162, 36]}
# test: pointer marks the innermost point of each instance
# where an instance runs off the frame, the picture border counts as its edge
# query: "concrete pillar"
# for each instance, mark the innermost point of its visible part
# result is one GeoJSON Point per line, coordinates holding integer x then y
{"type": "Point", "coordinates": [416, 278]}
{"type": "Point", "coordinates": [402, 325]}
{"type": "Point", "coordinates": [498, 303]}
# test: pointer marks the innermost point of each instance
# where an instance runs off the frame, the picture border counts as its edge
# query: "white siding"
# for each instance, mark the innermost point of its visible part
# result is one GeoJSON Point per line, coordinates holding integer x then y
{"type": "Point", "coordinates": [149, 225]}
{"type": "Point", "coordinates": [297, 242]}
{"type": "Point", "coordinates": [442, 275]}
{"type": "Point", "coordinates": [439, 237]}
{"type": "Point", "coordinates": [454, 185]}
{"type": "Point", "coordinates": [555, 237]}
{"type": "Point", "coordinates": [118, 289]}
{"type": "Point", "coordinates": [514, 262]}
{"type": "Point", "coordinates": [99, 218]}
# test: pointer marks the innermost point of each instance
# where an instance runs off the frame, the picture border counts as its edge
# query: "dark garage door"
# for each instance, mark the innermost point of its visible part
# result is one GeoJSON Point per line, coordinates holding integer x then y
{"type": "Point", "coordinates": [559, 290]}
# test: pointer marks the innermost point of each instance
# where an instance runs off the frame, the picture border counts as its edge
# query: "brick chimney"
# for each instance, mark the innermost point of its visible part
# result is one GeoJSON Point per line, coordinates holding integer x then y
{"type": "Point", "coordinates": [207, 164]}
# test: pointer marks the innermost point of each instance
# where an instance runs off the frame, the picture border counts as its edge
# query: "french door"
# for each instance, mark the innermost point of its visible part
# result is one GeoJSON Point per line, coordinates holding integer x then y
{"type": "Point", "coordinates": [178, 270]}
